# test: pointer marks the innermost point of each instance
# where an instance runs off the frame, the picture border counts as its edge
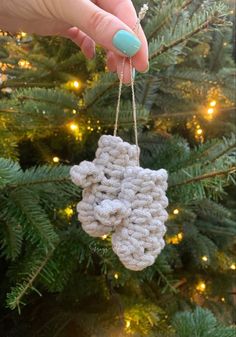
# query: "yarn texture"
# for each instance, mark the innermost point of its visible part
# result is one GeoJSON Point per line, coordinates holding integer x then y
{"type": "Point", "coordinates": [101, 180]}
{"type": "Point", "coordinates": [121, 198]}
{"type": "Point", "coordinates": [139, 238]}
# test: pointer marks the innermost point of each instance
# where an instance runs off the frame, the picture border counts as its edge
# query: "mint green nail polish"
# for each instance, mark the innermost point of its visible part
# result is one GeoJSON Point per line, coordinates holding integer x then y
{"type": "Point", "coordinates": [126, 42]}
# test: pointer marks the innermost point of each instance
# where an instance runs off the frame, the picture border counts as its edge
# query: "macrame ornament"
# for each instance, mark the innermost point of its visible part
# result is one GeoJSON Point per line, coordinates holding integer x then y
{"type": "Point", "coordinates": [139, 238]}
{"type": "Point", "coordinates": [120, 197]}
{"type": "Point", "coordinates": [101, 180]}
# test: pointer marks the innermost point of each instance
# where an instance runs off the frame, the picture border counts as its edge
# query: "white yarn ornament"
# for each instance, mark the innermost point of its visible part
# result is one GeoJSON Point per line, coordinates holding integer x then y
{"type": "Point", "coordinates": [138, 240]}
{"type": "Point", "coordinates": [101, 180]}
{"type": "Point", "coordinates": [122, 197]}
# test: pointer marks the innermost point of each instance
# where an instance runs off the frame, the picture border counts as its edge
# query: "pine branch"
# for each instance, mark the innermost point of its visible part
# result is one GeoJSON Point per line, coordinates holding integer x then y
{"type": "Point", "coordinates": [9, 170]}
{"type": "Point", "coordinates": [40, 175]}
{"type": "Point", "coordinates": [231, 170]}
{"type": "Point", "coordinates": [225, 150]}
{"type": "Point", "coordinates": [23, 98]}
{"type": "Point", "coordinates": [14, 298]}
{"type": "Point", "coordinates": [11, 230]}
{"type": "Point", "coordinates": [14, 84]}
{"type": "Point", "coordinates": [39, 182]}
{"type": "Point", "coordinates": [100, 88]}
{"type": "Point", "coordinates": [166, 281]}
{"type": "Point", "coordinates": [202, 322]}
{"type": "Point", "coordinates": [35, 221]}
{"type": "Point", "coordinates": [169, 10]}
{"type": "Point", "coordinates": [125, 115]}
{"type": "Point", "coordinates": [165, 48]}
{"type": "Point", "coordinates": [8, 111]}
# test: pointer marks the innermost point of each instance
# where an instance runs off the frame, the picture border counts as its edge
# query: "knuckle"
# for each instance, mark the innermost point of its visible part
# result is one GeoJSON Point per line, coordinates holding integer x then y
{"type": "Point", "coordinates": [99, 21]}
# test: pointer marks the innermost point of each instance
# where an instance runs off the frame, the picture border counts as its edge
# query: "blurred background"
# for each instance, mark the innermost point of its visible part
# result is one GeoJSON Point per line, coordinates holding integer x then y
{"type": "Point", "coordinates": [54, 105]}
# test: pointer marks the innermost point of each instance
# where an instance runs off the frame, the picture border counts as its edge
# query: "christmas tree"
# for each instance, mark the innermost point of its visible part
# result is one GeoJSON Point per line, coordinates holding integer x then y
{"type": "Point", "coordinates": [54, 106]}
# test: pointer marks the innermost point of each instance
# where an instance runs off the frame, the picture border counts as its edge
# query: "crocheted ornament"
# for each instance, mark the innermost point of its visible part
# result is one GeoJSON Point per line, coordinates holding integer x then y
{"type": "Point", "coordinates": [101, 180]}
{"type": "Point", "coordinates": [138, 239]}
{"type": "Point", "coordinates": [125, 199]}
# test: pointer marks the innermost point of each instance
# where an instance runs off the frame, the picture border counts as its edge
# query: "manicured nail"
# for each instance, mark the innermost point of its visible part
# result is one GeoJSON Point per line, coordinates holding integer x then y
{"type": "Point", "coordinates": [126, 42]}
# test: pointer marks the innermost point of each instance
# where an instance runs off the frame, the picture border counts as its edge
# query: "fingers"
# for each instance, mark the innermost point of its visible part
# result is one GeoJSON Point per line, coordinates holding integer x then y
{"type": "Point", "coordinates": [86, 44]}
{"type": "Point", "coordinates": [125, 11]}
{"type": "Point", "coordinates": [104, 28]}
{"type": "Point", "coordinates": [127, 72]}
{"type": "Point", "coordinates": [111, 62]}
{"type": "Point", "coordinates": [115, 64]}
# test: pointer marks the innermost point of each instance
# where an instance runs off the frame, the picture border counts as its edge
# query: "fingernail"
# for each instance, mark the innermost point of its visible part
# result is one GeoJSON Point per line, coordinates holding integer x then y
{"type": "Point", "coordinates": [146, 70]}
{"type": "Point", "coordinates": [126, 42]}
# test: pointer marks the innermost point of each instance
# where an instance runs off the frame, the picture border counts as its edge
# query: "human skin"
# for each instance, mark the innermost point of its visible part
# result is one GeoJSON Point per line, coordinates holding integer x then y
{"type": "Point", "coordinates": [85, 22]}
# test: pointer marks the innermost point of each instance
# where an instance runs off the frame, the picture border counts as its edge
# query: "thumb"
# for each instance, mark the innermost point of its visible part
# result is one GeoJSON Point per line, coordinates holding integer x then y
{"type": "Point", "coordinates": [104, 28]}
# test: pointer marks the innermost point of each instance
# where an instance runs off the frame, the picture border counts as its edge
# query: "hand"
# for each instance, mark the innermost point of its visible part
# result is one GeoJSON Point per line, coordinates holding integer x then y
{"type": "Point", "coordinates": [106, 22]}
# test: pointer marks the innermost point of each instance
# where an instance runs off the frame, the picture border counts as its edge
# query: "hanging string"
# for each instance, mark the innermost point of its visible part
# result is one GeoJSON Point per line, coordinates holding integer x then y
{"type": "Point", "coordinates": [141, 15]}
{"type": "Point", "coordinates": [134, 109]}
{"type": "Point", "coordinates": [119, 97]}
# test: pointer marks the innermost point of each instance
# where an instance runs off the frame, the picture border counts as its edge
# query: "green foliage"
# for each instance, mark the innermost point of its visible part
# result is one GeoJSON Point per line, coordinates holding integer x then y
{"type": "Point", "coordinates": [28, 199]}
{"type": "Point", "coordinates": [36, 267]}
{"type": "Point", "coordinates": [45, 251]}
{"type": "Point", "coordinates": [202, 323]}
{"type": "Point", "coordinates": [8, 171]}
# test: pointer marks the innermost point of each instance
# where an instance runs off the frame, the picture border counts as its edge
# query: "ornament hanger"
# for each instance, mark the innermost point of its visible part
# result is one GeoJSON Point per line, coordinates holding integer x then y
{"type": "Point", "coordinates": [141, 15]}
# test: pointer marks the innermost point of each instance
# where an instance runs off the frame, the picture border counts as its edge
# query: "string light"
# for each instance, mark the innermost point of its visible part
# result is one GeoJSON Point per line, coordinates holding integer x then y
{"type": "Point", "coordinates": [74, 111]}
{"type": "Point", "coordinates": [222, 299]}
{"type": "Point", "coordinates": [225, 44]}
{"type": "Point", "coordinates": [24, 64]}
{"type": "Point", "coordinates": [176, 211]}
{"type": "Point", "coordinates": [212, 103]}
{"type": "Point", "coordinates": [116, 276]}
{"type": "Point", "coordinates": [56, 159]}
{"type": "Point", "coordinates": [76, 130]}
{"type": "Point", "coordinates": [180, 236]}
{"type": "Point", "coordinates": [3, 66]}
{"type": "Point", "coordinates": [127, 324]}
{"type": "Point", "coordinates": [175, 239]}
{"type": "Point", "coordinates": [68, 211]}
{"type": "Point", "coordinates": [81, 103]}
{"type": "Point", "coordinates": [201, 286]}
{"type": "Point", "coordinates": [210, 111]}
{"type": "Point", "coordinates": [204, 258]}
{"type": "Point", "coordinates": [73, 85]}
{"type": "Point", "coordinates": [104, 237]}
{"type": "Point", "coordinates": [3, 78]}
{"type": "Point", "coordinates": [199, 131]}
{"type": "Point", "coordinates": [23, 34]}
{"type": "Point", "coordinates": [233, 266]}
{"type": "Point", "coordinates": [74, 126]}
{"type": "Point", "coordinates": [76, 84]}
